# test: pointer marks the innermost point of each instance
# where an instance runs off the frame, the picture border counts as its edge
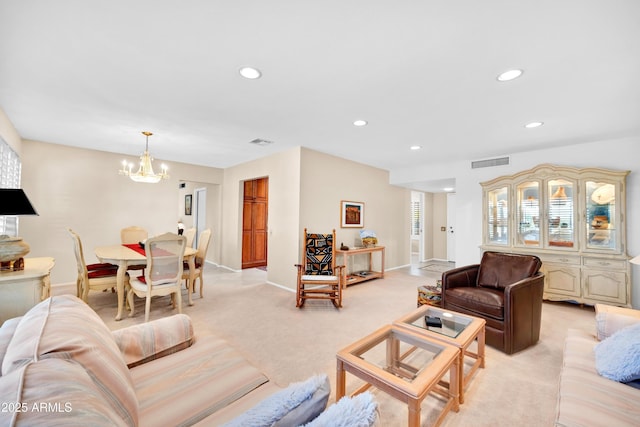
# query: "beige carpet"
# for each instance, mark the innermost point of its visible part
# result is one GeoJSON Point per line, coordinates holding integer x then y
{"type": "Point", "coordinates": [290, 344]}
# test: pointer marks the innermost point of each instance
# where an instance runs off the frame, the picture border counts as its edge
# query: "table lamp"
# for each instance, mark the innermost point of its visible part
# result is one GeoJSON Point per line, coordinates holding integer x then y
{"type": "Point", "coordinates": [13, 201]}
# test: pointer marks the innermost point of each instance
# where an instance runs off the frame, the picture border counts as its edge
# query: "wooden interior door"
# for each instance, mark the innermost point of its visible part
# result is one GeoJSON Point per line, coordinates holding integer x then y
{"type": "Point", "coordinates": [254, 223]}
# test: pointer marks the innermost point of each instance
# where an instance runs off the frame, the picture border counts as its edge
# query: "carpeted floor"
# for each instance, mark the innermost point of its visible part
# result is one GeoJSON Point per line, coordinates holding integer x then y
{"type": "Point", "coordinates": [438, 267]}
{"type": "Point", "coordinates": [290, 344]}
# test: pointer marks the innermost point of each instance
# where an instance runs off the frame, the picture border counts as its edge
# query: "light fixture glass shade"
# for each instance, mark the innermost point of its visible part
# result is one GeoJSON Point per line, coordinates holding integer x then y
{"type": "Point", "coordinates": [145, 172]}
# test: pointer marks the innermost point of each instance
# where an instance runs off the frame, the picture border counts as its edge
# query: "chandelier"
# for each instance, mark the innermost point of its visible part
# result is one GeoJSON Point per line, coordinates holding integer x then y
{"type": "Point", "coordinates": [145, 171]}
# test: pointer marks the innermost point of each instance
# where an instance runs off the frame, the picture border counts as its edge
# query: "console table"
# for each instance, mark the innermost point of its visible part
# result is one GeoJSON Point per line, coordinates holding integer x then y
{"type": "Point", "coordinates": [369, 274]}
{"type": "Point", "coordinates": [21, 290]}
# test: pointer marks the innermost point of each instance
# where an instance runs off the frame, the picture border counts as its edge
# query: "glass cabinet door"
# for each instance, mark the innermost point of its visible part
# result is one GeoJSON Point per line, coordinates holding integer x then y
{"type": "Point", "coordinates": [528, 214]}
{"type": "Point", "coordinates": [560, 213]}
{"type": "Point", "coordinates": [498, 216]}
{"type": "Point", "coordinates": [601, 215]}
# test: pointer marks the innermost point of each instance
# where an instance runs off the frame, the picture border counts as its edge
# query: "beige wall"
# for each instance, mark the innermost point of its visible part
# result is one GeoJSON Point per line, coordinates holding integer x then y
{"type": "Point", "coordinates": [283, 171]}
{"type": "Point", "coordinates": [302, 195]}
{"type": "Point", "coordinates": [325, 180]}
{"type": "Point", "coordinates": [81, 189]}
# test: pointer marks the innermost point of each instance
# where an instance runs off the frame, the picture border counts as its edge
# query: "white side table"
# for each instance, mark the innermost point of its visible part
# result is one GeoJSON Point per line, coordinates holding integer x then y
{"type": "Point", "coordinates": [21, 290]}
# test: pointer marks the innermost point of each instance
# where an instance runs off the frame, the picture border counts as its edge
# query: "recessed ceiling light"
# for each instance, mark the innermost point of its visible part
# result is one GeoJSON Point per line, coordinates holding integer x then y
{"type": "Point", "coordinates": [416, 147]}
{"type": "Point", "coordinates": [360, 123]}
{"type": "Point", "coordinates": [250, 73]}
{"type": "Point", "coordinates": [533, 125]}
{"type": "Point", "coordinates": [448, 189]}
{"type": "Point", "coordinates": [509, 75]}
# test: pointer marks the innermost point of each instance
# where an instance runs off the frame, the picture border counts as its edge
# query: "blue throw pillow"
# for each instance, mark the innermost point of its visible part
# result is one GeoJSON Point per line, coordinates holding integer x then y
{"type": "Point", "coordinates": [295, 405]}
{"type": "Point", "coordinates": [358, 411]}
{"type": "Point", "coordinates": [618, 357]}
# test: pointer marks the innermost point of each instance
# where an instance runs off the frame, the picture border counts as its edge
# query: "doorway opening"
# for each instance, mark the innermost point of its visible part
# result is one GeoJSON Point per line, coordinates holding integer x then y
{"type": "Point", "coordinates": [200, 210]}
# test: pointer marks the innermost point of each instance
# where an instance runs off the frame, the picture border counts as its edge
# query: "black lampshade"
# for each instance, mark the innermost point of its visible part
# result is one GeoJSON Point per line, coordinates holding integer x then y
{"type": "Point", "coordinates": [13, 201]}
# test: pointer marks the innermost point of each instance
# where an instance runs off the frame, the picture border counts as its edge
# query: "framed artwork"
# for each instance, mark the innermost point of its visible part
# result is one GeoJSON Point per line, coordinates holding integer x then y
{"type": "Point", "coordinates": [351, 214]}
{"type": "Point", "coordinates": [187, 204]}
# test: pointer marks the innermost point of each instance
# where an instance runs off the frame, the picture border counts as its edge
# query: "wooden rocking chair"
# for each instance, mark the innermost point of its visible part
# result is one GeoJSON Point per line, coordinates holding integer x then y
{"type": "Point", "coordinates": [318, 276]}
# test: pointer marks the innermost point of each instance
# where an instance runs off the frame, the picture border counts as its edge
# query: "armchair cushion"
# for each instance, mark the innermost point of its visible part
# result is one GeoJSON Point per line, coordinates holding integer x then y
{"type": "Point", "coordinates": [483, 301]}
{"type": "Point", "coordinates": [498, 270]}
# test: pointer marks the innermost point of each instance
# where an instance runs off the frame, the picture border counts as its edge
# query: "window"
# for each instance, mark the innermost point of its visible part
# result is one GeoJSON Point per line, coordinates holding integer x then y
{"type": "Point", "coordinates": [10, 167]}
{"type": "Point", "coordinates": [416, 217]}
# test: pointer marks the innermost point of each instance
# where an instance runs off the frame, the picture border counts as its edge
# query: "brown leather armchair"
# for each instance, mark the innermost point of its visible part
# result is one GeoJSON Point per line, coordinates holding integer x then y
{"type": "Point", "coordinates": [505, 290]}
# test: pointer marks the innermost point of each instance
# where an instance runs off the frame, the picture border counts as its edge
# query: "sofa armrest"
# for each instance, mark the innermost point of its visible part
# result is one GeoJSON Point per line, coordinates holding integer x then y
{"type": "Point", "coordinates": [610, 319]}
{"type": "Point", "coordinates": [149, 341]}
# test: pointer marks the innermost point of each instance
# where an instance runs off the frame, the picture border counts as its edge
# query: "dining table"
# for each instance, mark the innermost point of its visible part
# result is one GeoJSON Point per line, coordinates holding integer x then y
{"type": "Point", "coordinates": [123, 256]}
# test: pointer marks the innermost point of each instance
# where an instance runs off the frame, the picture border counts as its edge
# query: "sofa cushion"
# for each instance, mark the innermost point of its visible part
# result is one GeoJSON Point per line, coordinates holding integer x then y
{"type": "Point", "coordinates": [207, 376]}
{"type": "Point", "coordinates": [497, 270]}
{"type": "Point", "coordinates": [151, 340]}
{"type": "Point", "coordinates": [358, 411]}
{"type": "Point", "coordinates": [65, 327]}
{"type": "Point", "coordinates": [618, 357]}
{"type": "Point", "coordinates": [295, 405]}
{"type": "Point", "coordinates": [54, 392]}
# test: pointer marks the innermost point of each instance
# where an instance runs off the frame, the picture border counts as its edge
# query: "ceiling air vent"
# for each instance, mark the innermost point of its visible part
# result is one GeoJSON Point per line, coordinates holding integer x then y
{"type": "Point", "coordinates": [261, 142]}
{"type": "Point", "coordinates": [500, 161]}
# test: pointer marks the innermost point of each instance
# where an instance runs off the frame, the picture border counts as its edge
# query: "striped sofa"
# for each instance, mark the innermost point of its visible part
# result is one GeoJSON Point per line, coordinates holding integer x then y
{"type": "Point", "coordinates": [585, 398]}
{"type": "Point", "coordinates": [61, 365]}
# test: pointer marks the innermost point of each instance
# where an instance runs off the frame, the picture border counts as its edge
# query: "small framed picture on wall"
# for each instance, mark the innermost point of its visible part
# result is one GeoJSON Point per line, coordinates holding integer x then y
{"type": "Point", "coordinates": [351, 214]}
{"type": "Point", "coordinates": [187, 204]}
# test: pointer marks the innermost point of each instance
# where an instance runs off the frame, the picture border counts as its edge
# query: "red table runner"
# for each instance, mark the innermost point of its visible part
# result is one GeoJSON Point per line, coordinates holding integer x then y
{"type": "Point", "coordinates": [136, 247]}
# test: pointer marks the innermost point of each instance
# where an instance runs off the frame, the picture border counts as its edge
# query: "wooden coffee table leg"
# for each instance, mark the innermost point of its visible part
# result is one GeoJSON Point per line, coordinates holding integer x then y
{"type": "Point", "coordinates": [414, 413]}
{"type": "Point", "coordinates": [340, 380]}
{"type": "Point", "coordinates": [461, 376]}
{"type": "Point", "coordinates": [454, 390]}
{"type": "Point", "coordinates": [481, 342]}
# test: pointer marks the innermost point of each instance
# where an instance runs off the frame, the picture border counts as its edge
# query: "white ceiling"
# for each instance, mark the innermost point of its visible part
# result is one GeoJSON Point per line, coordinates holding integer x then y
{"type": "Point", "coordinates": [422, 72]}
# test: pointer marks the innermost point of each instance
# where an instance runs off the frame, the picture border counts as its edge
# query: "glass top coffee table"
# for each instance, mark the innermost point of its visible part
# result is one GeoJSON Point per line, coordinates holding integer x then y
{"type": "Point", "coordinates": [456, 329]}
{"type": "Point", "coordinates": [404, 364]}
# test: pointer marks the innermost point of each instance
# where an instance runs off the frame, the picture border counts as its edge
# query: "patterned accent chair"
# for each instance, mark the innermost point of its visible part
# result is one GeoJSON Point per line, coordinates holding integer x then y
{"type": "Point", "coordinates": [318, 276]}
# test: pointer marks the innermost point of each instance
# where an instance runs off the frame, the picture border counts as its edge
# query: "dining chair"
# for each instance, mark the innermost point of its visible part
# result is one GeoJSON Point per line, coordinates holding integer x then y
{"type": "Point", "coordinates": [200, 258]}
{"type": "Point", "coordinates": [190, 234]}
{"type": "Point", "coordinates": [163, 272]}
{"type": "Point", "coordinates": [133, 235]}
{"type": "Point", "coordinates": [95, 277]}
